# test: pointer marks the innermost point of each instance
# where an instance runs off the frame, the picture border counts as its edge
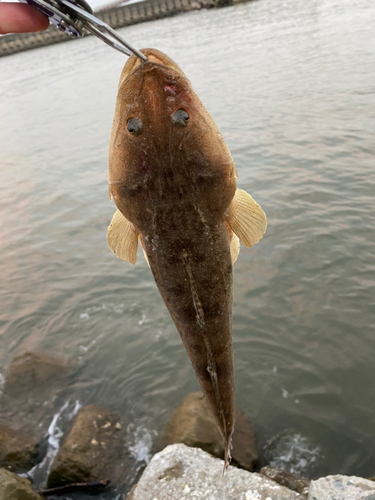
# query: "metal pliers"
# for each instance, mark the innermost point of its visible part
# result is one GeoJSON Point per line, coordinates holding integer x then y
{"type": "Point", "coordinates": [74, 16]}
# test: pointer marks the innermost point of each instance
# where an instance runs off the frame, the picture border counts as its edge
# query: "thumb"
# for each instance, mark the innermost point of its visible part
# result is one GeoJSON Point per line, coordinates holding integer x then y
{"type": "Point", "coordinates": [21, 18]}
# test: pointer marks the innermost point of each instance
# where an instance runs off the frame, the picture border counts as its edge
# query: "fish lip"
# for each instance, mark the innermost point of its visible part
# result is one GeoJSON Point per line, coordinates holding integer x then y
{"type": "Point", "coordinates": [152, 65]}
{"type": "Point", "coordinates": [156, 54]}
{"type": "Point", "coordinates": [154, 57]}
{"type": "Point", "coordinates": [145, 64]}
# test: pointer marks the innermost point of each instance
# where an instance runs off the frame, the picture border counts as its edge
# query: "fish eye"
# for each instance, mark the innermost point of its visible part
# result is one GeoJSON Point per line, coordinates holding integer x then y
{"type": "Point", "coordinates": [180, 118]}
{"type": "Point", "coordinates": [134, 126]}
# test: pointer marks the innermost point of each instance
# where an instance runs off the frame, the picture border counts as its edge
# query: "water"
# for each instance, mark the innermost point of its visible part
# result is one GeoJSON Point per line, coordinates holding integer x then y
{"type": "Point", "coordinates": [291, 86]}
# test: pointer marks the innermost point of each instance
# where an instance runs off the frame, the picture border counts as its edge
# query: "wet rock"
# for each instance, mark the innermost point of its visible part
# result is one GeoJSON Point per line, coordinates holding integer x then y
{"type": "Point", "coordinates": [193, 424]}
{"type": "Point", "coordinates": [342, 488]}
{"type": "Point", "coordinates": [30, 415]}
{"type": "Point", "coordinates": [13, 487]}
{"type": "Point", "coordinates": [291, 481]}
{"type": "Point", "coordinates": [31, 372]}
{"type": "Point", "coordinates": [91, 449]}
{"type": "Point", "coordinates": [17, 451]}
{"type": "Point", "coordinates": [180, 472]}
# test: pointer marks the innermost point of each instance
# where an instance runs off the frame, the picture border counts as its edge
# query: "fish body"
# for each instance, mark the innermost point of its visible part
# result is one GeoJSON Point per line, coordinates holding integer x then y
{"type": "Point", "coordinates": [173, 180]}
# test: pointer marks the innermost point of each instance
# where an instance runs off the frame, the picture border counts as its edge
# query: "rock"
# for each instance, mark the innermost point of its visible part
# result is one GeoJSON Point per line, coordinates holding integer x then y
{"type": "Point", "coordinates": [224, 3]}
{"type": "Point", "coordinates": [341, 488]}
{"type": "Point", "coordinates": [193, 6]}
{"type": "Point", "coordinates": [30, 415]}
{"type": "Point", "coordinates": [182, 473]}
{"type": "Point", "coordinates": [31, 371]}
{"type": "Point", "coordinates": [90, 450]}
{"type": "Point", "coordinates": [13, 487]}
{"type": "Point", "coordinates": [17, 451]}
{"type": "Point", "coordinates": [193, 424]}
{"type": "Point", "coordinates": [291, 481]}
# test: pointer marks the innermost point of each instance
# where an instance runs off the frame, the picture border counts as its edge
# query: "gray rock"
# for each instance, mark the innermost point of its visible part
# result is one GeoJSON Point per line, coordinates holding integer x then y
{"type": "Point", "coordinates": [90, 450]}
{"type": "Point", "coordinates": [17, 451]}
{"type": "Point", "coordinates": [192, 423]}
{"type": "Point", "coordinates": [342, 488]}
{"type": "Point", "coordinates": [291, 481]}
{"type": "Point", "coordinates": [13, 487]}
{"type": "Point", "coordinates": [182, 473]}
{"type": "Point", "coordinates": [32, 372]}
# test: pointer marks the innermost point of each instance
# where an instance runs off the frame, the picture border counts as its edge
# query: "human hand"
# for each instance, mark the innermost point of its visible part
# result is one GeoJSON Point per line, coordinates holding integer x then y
{"type": "Point", "coordinates": [21, 18]}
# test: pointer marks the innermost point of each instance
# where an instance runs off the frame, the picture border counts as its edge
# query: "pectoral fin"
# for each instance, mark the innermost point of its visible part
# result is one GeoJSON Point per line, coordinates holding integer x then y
{"type": "Point", "coordinates": [122, 238]}
{"type": "Point", "coordinates": [246, 219]}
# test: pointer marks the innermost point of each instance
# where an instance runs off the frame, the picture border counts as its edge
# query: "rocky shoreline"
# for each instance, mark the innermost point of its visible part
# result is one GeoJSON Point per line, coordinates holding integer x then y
{"type": "Point", "coordinates": [93, 452]}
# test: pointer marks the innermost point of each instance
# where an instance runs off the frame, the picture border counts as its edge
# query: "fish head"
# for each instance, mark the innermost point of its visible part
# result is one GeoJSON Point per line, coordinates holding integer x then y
{"type": "Point", "coordinates": [148, 95]}
{"type": "Point", "coordinates": [164, 138]}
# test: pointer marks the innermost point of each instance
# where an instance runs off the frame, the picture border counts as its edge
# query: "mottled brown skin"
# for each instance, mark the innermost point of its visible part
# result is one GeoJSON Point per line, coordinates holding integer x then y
{"type": "Point", "coordinates": [175, 184]}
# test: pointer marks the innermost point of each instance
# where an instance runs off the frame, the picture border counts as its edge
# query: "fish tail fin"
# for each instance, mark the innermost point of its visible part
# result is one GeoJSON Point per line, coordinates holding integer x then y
{"type": "Point", "coordinates": [227, 453]}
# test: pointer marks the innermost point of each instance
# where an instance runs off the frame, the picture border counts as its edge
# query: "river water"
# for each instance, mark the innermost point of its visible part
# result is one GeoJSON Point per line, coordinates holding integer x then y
{"type": "Point", "coordinates": [291, 85]}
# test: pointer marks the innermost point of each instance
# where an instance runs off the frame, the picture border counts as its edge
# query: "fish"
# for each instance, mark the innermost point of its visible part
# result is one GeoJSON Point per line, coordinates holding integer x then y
{"type": "Point", "coordinates": [174, 183]}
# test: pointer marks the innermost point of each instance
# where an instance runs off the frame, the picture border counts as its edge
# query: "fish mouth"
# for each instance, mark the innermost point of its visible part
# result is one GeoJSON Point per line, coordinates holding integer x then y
{"type": "Point", "coordinates": [154, 56]}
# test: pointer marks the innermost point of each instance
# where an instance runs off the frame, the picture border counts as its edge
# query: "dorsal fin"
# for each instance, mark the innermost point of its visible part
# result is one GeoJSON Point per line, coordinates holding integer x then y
{"type": "Point", "coordinates": [246, 218]}
{"type": "Point", "coordinates": [122, 238]}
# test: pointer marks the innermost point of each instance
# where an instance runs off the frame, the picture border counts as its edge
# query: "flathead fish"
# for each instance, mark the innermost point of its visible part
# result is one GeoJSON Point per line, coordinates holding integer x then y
{"type": "Point", "coordinates": [173, 180]}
